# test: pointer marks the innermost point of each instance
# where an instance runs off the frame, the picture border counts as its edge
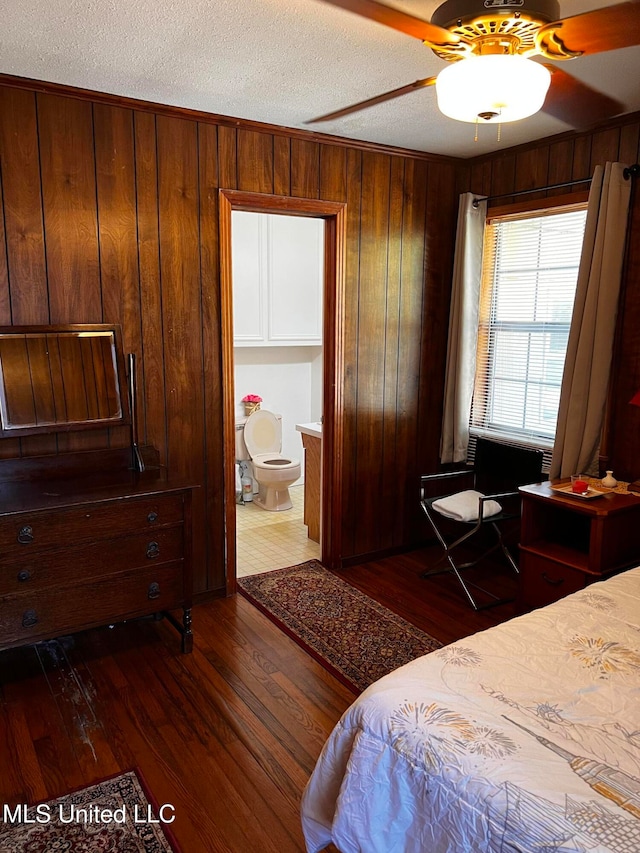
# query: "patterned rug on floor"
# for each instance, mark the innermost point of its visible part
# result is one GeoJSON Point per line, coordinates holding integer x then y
{"type": "Point", "coordinates": [353, 636]}
{"type": "Point", "coordinates": [121, 815]}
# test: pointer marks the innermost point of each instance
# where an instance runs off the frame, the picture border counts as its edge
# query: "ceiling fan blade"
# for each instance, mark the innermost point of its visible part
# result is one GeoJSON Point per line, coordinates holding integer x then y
{"type": "Point", "coordinates": [577, 104]}
{"type": "Point", "coordinates": [387, 96]}
{"type": "Point", "coordinates": [398, 20]}
{"type": "Point", "coordinates": [609, 28]}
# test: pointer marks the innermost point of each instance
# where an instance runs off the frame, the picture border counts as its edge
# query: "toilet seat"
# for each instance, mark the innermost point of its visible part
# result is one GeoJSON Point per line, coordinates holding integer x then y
{"type": "Point", "coordinates": [274, 461]}
{"type": "Point", "coordinates": [262, 435]}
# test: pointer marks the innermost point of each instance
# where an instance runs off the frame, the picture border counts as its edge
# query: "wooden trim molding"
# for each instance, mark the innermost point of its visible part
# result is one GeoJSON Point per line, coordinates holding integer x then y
{"type": "Point", "coordinates": [214, 118]}
{"type": "Point", "coordinates": [335, 215]}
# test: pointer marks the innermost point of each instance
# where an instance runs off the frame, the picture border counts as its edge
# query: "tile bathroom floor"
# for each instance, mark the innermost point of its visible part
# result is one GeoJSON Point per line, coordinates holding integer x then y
{"type": "Point", "coordinates": [272, 540]}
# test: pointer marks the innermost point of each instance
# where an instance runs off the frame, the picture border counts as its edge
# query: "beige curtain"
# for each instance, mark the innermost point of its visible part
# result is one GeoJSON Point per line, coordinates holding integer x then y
{"type": "Point", "coordinates": [463, 328]}
{"type": "Point", "coordinates": [588, 361]}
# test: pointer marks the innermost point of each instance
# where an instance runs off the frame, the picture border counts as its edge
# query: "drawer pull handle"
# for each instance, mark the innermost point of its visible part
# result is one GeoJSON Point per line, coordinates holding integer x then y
{"type": "Point", "coordinates": [154, 591]}
{"type": "Point", "coordinates": [153, 550]}
{"type": "Point", "coordinates": [29, 618]}
{"type": "Point", "coordinates": [551, 581]}
{"type": "Point", "coordinates": [153, 516]}
{"type": "Point", "coordinates": [24, 575]}
{"type": "Point", "coordinates": [25, 535]}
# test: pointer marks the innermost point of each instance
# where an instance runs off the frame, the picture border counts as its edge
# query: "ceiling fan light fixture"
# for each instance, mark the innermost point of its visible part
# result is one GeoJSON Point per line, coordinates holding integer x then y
{"type": "Point", "coordinates": [494, 88]}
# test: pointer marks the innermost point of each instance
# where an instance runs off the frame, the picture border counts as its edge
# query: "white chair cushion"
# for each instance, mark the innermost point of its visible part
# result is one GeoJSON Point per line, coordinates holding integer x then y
{"type": "Point", "coordinates": [465, 506]}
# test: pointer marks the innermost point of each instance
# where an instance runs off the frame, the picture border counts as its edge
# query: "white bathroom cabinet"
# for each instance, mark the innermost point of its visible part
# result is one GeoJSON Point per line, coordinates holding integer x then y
{"type": "Point", "coordinates": [278, 275]}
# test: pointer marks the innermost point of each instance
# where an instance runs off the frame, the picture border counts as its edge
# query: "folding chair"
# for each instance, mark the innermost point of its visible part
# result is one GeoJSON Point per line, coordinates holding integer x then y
{"type": "Point", "coordinates": [489, 498]}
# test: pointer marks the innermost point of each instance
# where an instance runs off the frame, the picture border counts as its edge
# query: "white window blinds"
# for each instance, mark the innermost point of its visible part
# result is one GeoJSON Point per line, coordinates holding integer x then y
{"type": "Point", "coordinates": [530, 269]}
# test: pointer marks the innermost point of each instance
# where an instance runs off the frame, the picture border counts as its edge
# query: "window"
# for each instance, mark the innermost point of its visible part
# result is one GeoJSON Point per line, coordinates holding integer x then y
{"type": "Point", "coordinates": [530, 270]}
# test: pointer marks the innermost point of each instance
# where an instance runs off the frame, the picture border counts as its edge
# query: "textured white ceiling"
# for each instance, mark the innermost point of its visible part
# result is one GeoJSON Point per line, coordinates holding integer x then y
{"type": "Point", "coordinates": [278, 61]}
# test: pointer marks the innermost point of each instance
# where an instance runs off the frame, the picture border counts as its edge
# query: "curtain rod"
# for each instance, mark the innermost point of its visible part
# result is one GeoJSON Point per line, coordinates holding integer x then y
{"type": "Point", "coordinates": [629, 172]}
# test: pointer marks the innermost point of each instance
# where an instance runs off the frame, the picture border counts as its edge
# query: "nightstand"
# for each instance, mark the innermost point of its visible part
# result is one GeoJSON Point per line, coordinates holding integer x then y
{"type": "Point", "coordinates": [567, 542]}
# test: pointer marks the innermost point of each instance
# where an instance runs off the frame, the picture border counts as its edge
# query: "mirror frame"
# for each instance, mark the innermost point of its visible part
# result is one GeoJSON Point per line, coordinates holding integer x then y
{"type": "Point", "coordinates": [122, 419]}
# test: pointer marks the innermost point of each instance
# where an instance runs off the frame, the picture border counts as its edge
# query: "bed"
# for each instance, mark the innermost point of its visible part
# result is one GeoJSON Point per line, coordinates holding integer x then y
{"type": "Point", "coordinates": [524, 737]}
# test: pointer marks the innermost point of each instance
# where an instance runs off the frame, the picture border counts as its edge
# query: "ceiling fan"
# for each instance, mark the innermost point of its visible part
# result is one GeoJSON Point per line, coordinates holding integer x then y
{"type": "Point", "coordinates": [489, 44]}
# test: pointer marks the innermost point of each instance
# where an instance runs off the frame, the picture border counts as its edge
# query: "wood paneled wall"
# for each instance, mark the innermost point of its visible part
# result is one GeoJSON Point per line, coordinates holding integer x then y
{"type": "Point", "coordinates": [572, 157]}
{"type": "Point", "coordinates": [109, 214]}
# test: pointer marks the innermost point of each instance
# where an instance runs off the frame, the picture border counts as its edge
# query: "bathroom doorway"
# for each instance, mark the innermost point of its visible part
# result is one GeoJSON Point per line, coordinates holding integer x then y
{"type": "Point", "coordinates": [278, 290]}
{"type": "Point", "coordinates": [334, 216]}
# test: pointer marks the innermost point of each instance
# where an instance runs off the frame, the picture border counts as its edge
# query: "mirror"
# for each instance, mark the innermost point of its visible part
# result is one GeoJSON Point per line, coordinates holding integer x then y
{"type": "Point", "coordinates": [59, 378]}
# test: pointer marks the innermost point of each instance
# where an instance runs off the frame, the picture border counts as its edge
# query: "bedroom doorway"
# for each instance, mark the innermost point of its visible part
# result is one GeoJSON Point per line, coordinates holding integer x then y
{"type": "Point", "coordinates": [334, 216]}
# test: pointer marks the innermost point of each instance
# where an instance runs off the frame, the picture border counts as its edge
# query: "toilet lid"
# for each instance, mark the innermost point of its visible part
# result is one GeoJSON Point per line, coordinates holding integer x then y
{"type": "Point", "coordinates": [262, 433]}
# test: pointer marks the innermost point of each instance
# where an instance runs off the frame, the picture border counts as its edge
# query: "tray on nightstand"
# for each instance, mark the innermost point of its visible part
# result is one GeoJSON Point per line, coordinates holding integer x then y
{"type": "Point", "coordinates": [565, 489]}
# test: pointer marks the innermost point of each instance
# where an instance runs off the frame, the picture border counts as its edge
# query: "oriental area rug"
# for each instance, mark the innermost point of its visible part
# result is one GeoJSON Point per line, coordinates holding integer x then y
{"type": "Point", "coordinates": [353, 636]}
{"type": "Point", "coordinates": [117, 815]}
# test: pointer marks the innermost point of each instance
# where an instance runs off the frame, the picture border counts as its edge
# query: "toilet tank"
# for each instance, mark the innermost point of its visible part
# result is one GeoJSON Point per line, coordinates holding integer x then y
{"type": "Point", "coordinates": [241, 447]}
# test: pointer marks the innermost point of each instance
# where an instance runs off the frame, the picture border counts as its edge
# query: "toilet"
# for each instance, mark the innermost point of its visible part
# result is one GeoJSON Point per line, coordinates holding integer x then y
{"type": "Point", "coordinates": [261, 441]}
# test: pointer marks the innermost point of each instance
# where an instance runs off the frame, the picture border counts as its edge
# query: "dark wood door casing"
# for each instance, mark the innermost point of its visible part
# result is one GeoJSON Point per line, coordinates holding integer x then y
{"type": "Point", "coordinates": [334, 214]}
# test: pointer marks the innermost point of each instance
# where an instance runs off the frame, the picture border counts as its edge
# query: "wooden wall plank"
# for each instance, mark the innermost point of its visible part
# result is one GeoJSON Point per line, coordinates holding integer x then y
{"type": "Point", "coordinates": [22, 238]}
{"type": "Point", "coordinates": [69, 198]}
{"type": "Point", "coordinates": [255, 161]}
{"type": "Point", "coordinates": [9, 449]}
{"type": "Point", "coordinates": [479, 179]}
{"type": "Point", "coordinates": [560, 165]}
{"type": "Point", "coordinates": [581, 164]}
{"type": "Point", "coordinates": [532, 170]}
{"type": "Point", "coordinates": [5, 293]}
{"type": "Point", "coordinates": [605, 145]}
{"type": "Point", "coordinates": [180, 276]}
{"type": "Point", "coordinates": [629, 143]}
{"type": "Point", "coordinates": [374, 228]}
{"type": "Point", "coordinates": [150, 358]}
{"type": "Point", "coordinates": [390, 506]}
{"type": "Point", "coordinates": [624, 420]}
{"type": "Point", "coordinates": [117, 227]}
{"type": "Point", "coordinates": [212, 362]}
{"type": "Point", "coordinates": [433, 213]}
{"type": "Point", "coordinates": [305, 169]}
{"type": "Point", "coordinates": [67, 162]}
{"type": "Point", "coordinates": [503, 175]}
{"type": "Point", "coordinates": [117, 222]}
{"type": "Point", "coordinates": [25, 256]}
{"type": "Point", "coordinates": [281, 165]}
{"type": "Point", "coordinates": [333, 173]}
{"type": "Point", "coordinates": [178, 205]}
{"type": "Point", "coordinates": [350, 479]}
{"type": "Point", "coordinates": [227, 158]}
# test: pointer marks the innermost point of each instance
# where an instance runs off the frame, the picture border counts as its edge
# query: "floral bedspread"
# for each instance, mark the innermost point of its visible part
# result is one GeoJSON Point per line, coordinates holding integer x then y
{"type": "Point", "coordinates": [525, 737]}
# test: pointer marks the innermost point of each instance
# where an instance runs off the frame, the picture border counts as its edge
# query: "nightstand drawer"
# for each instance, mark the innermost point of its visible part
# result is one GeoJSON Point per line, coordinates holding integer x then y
{"type": "Point", "coordinates": [543, 581]}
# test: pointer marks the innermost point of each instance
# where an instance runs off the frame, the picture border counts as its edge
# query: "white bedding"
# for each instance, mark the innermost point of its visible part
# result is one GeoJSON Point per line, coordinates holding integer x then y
{"type": "Point", "coordinates": [525, 737]}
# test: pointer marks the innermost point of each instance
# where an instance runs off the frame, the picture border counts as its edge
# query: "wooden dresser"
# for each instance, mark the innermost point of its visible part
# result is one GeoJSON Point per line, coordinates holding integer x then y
{"type": "Point", "coordinates": [82, 551]}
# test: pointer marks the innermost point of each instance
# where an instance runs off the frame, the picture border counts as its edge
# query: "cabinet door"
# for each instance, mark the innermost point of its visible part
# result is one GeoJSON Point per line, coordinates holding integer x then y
{"type": "Point", "coordinates": [249, 265]}
{"type": "Point", "coordinates": [295, 281]}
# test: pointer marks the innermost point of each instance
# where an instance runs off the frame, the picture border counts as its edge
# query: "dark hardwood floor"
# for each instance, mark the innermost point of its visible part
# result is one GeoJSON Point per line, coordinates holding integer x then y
{"type": "Point", "coordinates": [228, 735]}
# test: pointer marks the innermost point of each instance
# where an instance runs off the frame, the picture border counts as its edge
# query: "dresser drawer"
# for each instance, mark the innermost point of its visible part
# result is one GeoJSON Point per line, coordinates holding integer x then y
{"type": "Point", "coordinates": [66, 527]}
{"type": "Point", "coordinates": [543, 581]}
{"type": "Point", "coordinates": [31, 570]}
{"type": "Point", "coordinates": [58, 610]}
